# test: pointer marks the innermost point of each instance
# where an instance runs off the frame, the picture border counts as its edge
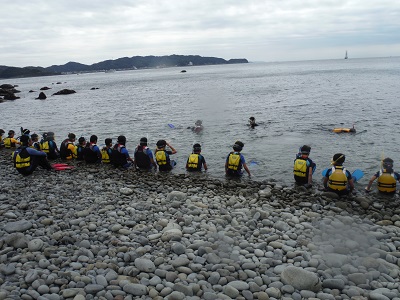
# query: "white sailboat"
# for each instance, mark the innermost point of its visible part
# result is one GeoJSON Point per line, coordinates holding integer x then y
{"type": "Point", "coordinates": [345, 57]}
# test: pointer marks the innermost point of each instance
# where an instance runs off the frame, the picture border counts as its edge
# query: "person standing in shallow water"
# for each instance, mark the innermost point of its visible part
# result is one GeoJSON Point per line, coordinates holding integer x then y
{"type": "Point", "coordinates": [235, 161]}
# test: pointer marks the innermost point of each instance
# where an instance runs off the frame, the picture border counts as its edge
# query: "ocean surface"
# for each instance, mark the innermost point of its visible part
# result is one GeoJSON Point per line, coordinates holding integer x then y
{"type": "Point", "coordinates": [295, 103]}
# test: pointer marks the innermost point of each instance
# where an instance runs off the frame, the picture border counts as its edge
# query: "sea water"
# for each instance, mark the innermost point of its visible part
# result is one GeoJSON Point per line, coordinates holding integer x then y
{"type": "Point", "coordinates": [295, 103]}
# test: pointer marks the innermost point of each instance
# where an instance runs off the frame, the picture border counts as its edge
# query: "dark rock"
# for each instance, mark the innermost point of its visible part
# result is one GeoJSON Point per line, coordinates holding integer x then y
{"type": "Point", "coordinates": [17, 240]}
{"type": "Point", "coordinates": [330, 195]}
{"type": "Point", "coordinates": [94, 88]}
{"type": "Point", "coordinates": [11, 97]}
{"type": "Point", "coordinates": [5, 92]}
{"type": "Point", "coordinates": [59, 82]}
{"type": "Point", "coordinates": [342, 204]}
{"type": "Point", "coordinates": [6, 86]}
{"type": "Point", "coordinates": [45, 88]}
{"type": "Point", "coordinates": [31, 91]}
{"type": "Point", "coordinates": [42, 96]}
{"type": "Point", "coordinates": [64, 92]}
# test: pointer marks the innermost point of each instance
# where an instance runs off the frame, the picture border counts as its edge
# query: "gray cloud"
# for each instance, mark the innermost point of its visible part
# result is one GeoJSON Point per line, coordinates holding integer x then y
{"type": "Point", "coordinates": [54, 32]}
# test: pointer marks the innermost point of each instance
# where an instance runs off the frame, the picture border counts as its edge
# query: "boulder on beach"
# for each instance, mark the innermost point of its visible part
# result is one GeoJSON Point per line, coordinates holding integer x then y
{"type": "Point", "coordinates": [45, 88]}
{"type": "Point", "coordinates": [65, 92]}
{"type": "Point", "coordinates": [42, 96]}
{"type": "Point", "coordinates": [301, 279]}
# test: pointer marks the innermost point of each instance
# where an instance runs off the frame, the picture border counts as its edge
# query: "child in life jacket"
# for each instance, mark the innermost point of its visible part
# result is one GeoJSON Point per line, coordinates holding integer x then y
{"type": "Point", "coordinates": [387, 178]}
{"type": "Point", "coordinates": [338, 179]}
{"type": "Point", "coordinates": [196, 161]}
{"type": "Point", "coordinates": [144, 159]}
{"type": "Point", "coordinates": [165, 164]}
{"type": "Point", "coordinates": [35, 142]}
{"type": "Point", "coordinates": [106, 151]}
{"type": "Point", "coordinates": [10, 141]}
{"type": "Point", "coordinates": [120, 155]}
{"type": "Point", "coordinates": [1, 138]}
{"type": "Point", "coordinates": [303, 167]}
{"type": "Point", "coordinates": [26, 159]}
{"type": "Point", "coordinates": [80, 147]}
{"type": "Point", "coordinates": [68, 148]}
{"type": "Point", "coordinates": [235, 161]}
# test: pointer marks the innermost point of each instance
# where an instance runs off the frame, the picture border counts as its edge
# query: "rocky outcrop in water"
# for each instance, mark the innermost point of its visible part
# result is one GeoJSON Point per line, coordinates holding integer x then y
{"type": "Point", "coordinates": [8, 91]}
{"type": "Point", "coordinates": [41, 96]}
{"type": "Point", "coordinates": [101, 233]}
{"type": "Point", "coordinates": [65, 92]}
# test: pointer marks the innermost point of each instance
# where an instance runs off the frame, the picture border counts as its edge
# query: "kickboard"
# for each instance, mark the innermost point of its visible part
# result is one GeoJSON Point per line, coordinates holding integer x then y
{"type": "Point", "coordinates": [62, 168]}
{"type": "Point", "coordinates": [171, 125]}
{"type": "Point", "coordinates": [59, 165]}
{"type": "Point", "coordinates": [357, 174]}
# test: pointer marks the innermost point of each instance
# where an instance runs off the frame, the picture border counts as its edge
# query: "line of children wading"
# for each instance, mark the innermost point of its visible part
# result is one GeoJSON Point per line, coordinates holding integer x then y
{"type": "Point", "coordinates": [32, 153]}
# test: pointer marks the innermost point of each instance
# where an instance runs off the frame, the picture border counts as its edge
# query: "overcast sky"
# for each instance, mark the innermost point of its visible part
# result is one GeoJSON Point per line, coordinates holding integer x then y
{"type": "Point", "coordinates": [44, 33]}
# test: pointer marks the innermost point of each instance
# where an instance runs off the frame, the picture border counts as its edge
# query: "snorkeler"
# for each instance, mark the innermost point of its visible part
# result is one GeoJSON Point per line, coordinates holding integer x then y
{"type": "Point", "coordinates": [198, 126]}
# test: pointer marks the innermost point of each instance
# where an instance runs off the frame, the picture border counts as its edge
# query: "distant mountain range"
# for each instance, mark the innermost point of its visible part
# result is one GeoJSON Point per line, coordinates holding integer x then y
{"type": "Point", "coordinates": [123, 63]}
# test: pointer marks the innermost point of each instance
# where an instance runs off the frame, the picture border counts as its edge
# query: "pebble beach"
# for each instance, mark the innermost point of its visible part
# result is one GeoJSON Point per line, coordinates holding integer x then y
{"type": "Point", "coordinates": [97, 232]}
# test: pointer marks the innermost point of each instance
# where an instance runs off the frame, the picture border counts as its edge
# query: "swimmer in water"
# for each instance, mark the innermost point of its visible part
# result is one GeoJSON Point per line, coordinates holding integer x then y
{"type": "Point", "coordinates": [252, 122]}
{"type": "Point", "coordinates": [198, 126]}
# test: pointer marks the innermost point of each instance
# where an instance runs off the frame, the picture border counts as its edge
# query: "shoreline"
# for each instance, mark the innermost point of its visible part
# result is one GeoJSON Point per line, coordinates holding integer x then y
{"type": "Point", "coordinates": [100, 233]}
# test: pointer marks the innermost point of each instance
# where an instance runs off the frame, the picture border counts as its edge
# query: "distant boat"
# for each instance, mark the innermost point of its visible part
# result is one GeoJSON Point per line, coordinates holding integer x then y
{"type": "Point", "coordinates": [345, 56]}
{"type": "Point", "coordinates": [183, 71]}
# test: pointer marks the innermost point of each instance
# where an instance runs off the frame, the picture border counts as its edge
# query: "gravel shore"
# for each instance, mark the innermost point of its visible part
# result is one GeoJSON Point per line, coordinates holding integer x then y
{"type": "Point", "coordinates": [101, 233]}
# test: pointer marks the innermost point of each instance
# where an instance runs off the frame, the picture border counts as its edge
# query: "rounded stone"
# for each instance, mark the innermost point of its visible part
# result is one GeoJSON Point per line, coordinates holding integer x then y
{"type": "Point", "coordinates": [43, 289]}
{"type": "Point", "coordinates": [301, 279]}
{"type": "Point", "coordinates": [35, 245]}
